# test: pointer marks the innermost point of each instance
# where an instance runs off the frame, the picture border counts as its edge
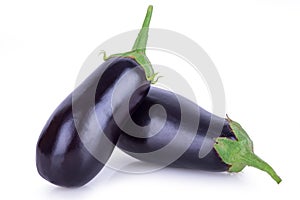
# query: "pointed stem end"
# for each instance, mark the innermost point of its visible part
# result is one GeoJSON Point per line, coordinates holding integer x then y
{"type": "Point", "coordinates": [138, 50]}
{"type": "Point", "coordinates": [239, 153]}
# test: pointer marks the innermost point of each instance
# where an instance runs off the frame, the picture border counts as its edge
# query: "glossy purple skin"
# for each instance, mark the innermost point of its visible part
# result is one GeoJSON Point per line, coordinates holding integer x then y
{"type": "Point", "coordinates": [189, 159]}
{"type": "Point", "coordinates": [61, 156]}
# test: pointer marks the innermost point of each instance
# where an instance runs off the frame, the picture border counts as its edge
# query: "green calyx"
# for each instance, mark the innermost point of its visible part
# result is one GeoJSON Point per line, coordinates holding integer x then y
{"type": "Point", "coordinates": [139, 48]}
{"type": "Point", "coordinates": [239, 153]}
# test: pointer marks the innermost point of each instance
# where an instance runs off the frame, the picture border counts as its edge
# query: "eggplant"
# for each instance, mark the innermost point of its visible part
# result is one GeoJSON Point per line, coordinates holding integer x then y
{"type": "Point", "coordinates": [227, 145]}
{"type": "Point", "coordinates": [80, 135]}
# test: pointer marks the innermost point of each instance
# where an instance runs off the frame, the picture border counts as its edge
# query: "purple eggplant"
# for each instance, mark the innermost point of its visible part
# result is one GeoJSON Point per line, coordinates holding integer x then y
{"type": "Point", "coordinates": [80, 135]}
{"type": "Point", "coordinates": [228, 148]}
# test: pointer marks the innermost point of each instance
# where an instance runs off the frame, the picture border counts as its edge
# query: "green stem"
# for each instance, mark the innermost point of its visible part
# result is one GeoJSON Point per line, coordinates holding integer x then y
{"type": "Point", "coordinates": [254, 161]}
{"type": "Point", "coordinates": [141, 41]}
{"type": "Point", "coordinates": [138, 50]}
{"type": "Point", "coordinates": [239, 153]}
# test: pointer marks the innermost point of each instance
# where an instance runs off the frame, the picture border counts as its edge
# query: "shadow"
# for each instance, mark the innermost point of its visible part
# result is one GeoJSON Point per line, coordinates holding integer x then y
{"type": "Point", "coordinates": [97, 183]}
{"type": "Point", "coordinates": [68, 193]}
{"type": "Point", "coordinates": [140, 168]}
{"type": "Point", "coordinates": [118, 169]}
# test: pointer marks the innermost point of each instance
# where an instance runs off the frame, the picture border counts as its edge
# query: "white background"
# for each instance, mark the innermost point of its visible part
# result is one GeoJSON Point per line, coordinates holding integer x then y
{"type": "Point", "coordinates": [254, 44]}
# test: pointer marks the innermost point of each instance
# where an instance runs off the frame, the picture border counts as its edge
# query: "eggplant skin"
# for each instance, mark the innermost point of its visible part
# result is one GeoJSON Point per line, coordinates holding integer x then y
{"type": "Point", "coordinates": [137, 146]}
{"type": "Point", "coordinates": [61, 156]}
